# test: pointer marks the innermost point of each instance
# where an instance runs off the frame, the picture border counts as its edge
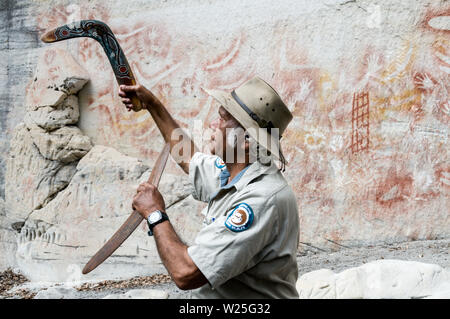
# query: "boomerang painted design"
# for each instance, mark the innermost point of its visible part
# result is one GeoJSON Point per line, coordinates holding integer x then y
{"type": "Point", "coordinates": [100, 32]}
{"type": "Point", "coordinates": [131, 223]}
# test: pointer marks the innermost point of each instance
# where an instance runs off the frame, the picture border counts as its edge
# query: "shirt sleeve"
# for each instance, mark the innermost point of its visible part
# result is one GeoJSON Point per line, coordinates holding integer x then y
{"type": "Point", "coordinates": [204, 172]}
{"type": "Point", "coordinates": [225, 249]}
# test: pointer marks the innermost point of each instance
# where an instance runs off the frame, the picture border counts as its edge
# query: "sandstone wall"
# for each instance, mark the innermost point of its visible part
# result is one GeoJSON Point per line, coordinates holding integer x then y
{"type": "Point", "coordinates": [367, 81]}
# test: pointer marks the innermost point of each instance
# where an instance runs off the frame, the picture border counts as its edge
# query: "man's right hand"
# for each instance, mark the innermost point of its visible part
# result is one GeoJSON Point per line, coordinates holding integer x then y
{"type": "Point", "coordinates": [145, 96]}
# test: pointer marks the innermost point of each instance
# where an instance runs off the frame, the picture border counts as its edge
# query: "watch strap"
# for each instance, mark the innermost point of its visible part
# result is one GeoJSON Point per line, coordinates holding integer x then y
{"type": "Point", "coordinates": [164, 217]}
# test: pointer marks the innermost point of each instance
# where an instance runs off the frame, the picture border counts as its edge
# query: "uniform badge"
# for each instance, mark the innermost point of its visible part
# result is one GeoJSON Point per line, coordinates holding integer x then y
{"type": "Point", "coordinates": [240, 219]}
{"type": "Point", "coordinates": [220, 164]}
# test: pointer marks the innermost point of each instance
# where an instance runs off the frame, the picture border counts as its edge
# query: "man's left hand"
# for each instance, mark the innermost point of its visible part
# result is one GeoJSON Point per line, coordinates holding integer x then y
{"type": "Point", "coordinates": [148, 199]}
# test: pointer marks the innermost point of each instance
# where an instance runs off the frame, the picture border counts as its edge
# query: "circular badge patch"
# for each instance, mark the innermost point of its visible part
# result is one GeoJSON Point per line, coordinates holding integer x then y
{"type": "Point", "coordinates": [220, 164]}
{"type": "Point", "coordinates": [240, 219]}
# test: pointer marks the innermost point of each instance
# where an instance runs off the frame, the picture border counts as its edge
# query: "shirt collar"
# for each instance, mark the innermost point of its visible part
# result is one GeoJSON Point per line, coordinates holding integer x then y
{"type": "Point", "coordinates": [248, 174]}
{"type": "Point", "coordinates": [245, 176]}
{"type": "Point", "coordinates": [224, 175]}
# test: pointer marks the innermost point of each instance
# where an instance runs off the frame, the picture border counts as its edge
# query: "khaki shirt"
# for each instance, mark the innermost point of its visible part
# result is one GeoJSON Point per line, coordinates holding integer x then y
{"type": "Point", "coordinates": [247, 246]}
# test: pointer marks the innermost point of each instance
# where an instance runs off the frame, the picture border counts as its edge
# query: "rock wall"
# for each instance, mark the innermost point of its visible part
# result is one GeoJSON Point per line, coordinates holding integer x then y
{"type": "Point", "coordinates": [367, 82]}
{"type": "Point", "coordinates": [65, 198]}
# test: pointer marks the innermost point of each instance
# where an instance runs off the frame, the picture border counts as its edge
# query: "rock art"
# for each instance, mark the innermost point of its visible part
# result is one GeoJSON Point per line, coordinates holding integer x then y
{"type": "Point", "coordinates": [51, 100]}
{"type": "Point", "coordinates": [82, 217]}
{"type": "Point", "coordinates": [44, 150]}
{"type": "Point", "coordinates": [69, 197]}
{"type": "Point", "coordinates": [66, 144]}
{"type": "Point", "coordinates": [380, 279]}
{"type": "Point", "coordinates": [57, 76]}
{"type": "Point", "coordinates": [31, 179]}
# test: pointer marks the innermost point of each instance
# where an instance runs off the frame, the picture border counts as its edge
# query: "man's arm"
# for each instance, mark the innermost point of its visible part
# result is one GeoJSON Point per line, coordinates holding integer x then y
{"type": "Point", "coordinates": [175, 257]}
{"type": "Point", "coordinates": [165, 122]}
{"type": "Point", "coordinates": [172, 251]}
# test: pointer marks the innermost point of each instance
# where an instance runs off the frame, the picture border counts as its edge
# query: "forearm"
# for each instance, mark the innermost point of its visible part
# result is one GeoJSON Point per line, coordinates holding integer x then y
{"type": "Point", "coordinates": [172, 133]}
{"type": "Point", "coordinates": [174, 255]}
{"type": "Point", "coordinates": [184, 146]}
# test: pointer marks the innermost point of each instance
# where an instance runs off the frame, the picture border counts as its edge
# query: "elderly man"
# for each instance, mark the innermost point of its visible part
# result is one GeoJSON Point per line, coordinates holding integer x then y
{"type": "Point", "coordinates": [248, 243]}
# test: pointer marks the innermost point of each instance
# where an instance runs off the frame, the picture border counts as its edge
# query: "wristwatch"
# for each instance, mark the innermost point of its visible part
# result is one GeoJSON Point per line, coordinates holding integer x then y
{"type": "Point", "coordinates": [154, 219]}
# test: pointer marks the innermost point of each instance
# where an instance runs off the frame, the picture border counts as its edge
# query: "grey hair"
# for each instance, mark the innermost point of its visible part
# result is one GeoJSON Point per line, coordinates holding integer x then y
{"type": "Point", "coordinates": [256, 151]}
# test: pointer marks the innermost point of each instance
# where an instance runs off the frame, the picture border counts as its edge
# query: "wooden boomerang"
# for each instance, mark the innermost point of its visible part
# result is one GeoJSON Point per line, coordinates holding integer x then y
{"type": "Point", "coordinates": [131, 223]}
{"type": "Point", "coordinates": [102, 33]}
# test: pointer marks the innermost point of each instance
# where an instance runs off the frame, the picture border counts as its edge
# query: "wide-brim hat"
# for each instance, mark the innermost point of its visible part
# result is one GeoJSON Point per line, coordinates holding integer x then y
{"type": "Point", "coordinates": [259, 109]}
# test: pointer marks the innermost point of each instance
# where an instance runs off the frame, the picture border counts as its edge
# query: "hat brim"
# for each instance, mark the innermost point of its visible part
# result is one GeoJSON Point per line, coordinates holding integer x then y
{"type": "Point", "coordinates": [262, 136]}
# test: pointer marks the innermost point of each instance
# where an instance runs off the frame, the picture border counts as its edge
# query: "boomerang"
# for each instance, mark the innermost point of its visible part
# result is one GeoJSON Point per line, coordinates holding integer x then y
{"type": "Point", "coordinates": [131, 223]}
{"type": "Point", "coordinates": [100, 32]}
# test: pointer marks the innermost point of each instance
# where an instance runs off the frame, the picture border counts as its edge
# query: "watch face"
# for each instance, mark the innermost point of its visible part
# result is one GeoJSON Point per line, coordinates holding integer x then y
{"type": "Point", "coordinates": [154, 217]}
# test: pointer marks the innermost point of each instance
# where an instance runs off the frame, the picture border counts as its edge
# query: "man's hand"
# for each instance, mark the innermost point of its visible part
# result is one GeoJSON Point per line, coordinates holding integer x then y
{"type": "Point", "coordinates": [148, 199]}
{"type": "Point", "coordinates": [145, 96]}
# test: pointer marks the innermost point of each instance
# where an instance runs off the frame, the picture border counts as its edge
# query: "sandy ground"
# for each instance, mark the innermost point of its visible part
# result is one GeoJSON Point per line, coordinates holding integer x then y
{"type": "Point", "coordinates": [432, 251]}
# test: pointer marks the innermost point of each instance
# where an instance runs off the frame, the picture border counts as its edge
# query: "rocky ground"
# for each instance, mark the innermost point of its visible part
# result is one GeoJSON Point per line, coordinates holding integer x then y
{"type": "Point", "coordinates": [428, 251]}
{"type": "Point", "coordinates": [433, 251]}
{"type": "Point", "coordinates": [10, 280]}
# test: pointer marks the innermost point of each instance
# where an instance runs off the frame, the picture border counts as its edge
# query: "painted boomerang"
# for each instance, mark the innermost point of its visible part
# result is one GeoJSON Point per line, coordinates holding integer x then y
{"type": "Point", "coordinates": [131, 223]}
{"type": "Point", "coordinates": [102, 33]}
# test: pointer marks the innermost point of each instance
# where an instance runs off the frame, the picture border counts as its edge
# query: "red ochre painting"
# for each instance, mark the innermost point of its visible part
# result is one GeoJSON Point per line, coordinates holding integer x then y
{"type": "Point", "coordinates": [369, 139]}
{"type": "Point", "coordinates": [360, 122]}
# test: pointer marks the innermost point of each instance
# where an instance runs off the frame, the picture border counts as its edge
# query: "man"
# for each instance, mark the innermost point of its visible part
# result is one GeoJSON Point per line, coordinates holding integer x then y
{"type": "Point", "coordinates": [247, 246]}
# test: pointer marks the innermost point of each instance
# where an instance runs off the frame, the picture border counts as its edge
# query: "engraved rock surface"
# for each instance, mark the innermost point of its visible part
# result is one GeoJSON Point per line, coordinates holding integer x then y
{"type": "Point", "coordinates": [41, 163]}
{"type": "Point", "coordinates": [31, 179]}
{"type": "Point", "coordinates": [393, 279]}
{"type": "Point", "coordinates": [66, 144]}
{"type": "Point", "coordinates": [43, 152]}
{"type": "Point", "coordinates": [68, 197]}
{"type": "Point", "coordinates": [81, 218]}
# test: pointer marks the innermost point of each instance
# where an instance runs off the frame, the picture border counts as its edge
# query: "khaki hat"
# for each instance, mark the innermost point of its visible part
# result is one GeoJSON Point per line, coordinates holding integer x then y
{"type": "Point", "coordinates": [259, 109]}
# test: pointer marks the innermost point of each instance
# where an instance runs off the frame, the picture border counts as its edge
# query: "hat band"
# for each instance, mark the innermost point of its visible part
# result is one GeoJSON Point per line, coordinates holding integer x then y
{"type": "Point", "coordinates": [262, 123]}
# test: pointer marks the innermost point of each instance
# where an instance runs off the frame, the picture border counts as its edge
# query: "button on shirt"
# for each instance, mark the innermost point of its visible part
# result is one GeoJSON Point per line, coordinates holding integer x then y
{"type": "Point", "coordinates": [247, 246]}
